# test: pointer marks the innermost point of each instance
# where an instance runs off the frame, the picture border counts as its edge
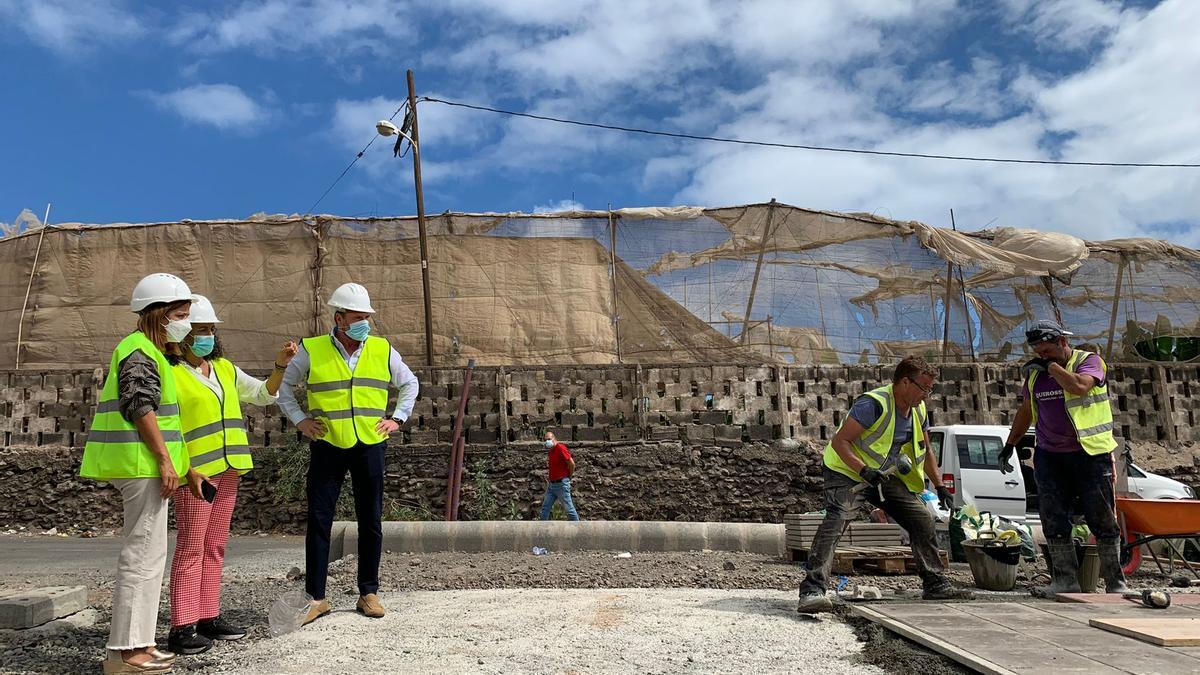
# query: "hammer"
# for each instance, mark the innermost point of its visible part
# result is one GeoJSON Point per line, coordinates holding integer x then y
{"type": "Point", "coordinates": [903, 465]}
{"type": "Point", "coordinates": [1151, 599]}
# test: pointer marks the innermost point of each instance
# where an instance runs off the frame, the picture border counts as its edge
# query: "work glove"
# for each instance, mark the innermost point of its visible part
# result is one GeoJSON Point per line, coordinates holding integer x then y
{"type": "Point", "coordinates": [873, 477]}
{"type": "Point", "coordinates": [1036, 365]}
{"type": "Point", "coordinates": [945, 499]}
{"type": "Point", "coordinates": [1006, 456]}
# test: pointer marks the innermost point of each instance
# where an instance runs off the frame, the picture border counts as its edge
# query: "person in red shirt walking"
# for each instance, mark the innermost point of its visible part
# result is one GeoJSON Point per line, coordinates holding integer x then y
{"type": "Point", "coordinates": [562, 467]}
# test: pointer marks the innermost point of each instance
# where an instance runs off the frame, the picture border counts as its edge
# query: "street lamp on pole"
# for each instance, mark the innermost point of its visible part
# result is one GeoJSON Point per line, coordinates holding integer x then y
{"type": "Point", "coordinates": [386, 128]}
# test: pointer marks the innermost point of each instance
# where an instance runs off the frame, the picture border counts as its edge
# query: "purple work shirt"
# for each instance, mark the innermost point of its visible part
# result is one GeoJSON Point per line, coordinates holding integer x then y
{"type": "Point", "coordinates": [1055, 433]}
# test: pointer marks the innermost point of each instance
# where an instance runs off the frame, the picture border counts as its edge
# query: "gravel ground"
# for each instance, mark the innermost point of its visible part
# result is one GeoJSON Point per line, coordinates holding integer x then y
{"type": "Point", "coordinates": [742, 595]}
{"type": "Point", "coordinates": [729, 599]}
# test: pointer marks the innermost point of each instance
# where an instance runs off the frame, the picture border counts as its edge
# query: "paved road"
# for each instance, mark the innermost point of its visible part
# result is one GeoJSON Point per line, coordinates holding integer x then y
{"type": "Point", "coordinates": [40, 553]}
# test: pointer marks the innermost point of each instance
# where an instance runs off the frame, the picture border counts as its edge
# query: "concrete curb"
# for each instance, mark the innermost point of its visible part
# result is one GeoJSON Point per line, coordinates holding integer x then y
{"type": "Point", "coordinates": [588, 535]}
{"type": "Point", "coordinates": [34, 607]}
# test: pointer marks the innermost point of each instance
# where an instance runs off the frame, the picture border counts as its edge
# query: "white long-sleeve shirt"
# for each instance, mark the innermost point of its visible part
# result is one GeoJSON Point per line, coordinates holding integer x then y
{"type": "Point", "coordinates": [250, 389]}
{"type": "Point", "coordinates": [297, 374]}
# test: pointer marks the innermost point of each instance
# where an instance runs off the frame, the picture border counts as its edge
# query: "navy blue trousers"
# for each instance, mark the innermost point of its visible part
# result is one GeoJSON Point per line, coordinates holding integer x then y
{"type": "Point", "coordinates": [327, 469]}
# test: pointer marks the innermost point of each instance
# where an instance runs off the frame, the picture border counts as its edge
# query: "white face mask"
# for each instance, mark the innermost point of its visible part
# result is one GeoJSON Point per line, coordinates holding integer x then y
{"type": "Point", "coordinates": [549, 443]}
{"type": "Point", "coordinates": [177, 330]}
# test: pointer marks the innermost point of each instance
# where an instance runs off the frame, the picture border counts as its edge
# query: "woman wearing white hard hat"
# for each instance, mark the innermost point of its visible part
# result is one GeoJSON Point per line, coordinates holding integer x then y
{"type": "Point", "coordinates": [135, 442]}
{"type": "Point", "coordinates": [211, 391]}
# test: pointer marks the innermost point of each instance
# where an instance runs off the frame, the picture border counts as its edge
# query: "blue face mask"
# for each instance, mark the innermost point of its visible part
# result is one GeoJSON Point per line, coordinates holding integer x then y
{"type": "Point", "coordinates": [202, 345]}
{"type": "Point", "coordinates": [359, 330]}
{"type": "Point", "coordinates": [549, 443]}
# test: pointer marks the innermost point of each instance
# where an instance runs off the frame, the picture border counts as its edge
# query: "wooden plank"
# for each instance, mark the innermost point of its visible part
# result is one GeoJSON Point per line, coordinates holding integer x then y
{"type": "Point", "coordinates": [883, 565]}
{"type": "Point", "coordinates": [1165, 632]}
{"type": "Point", "coordinates": [972, 661]}
{"type": "Point", "coordinates": [1116, 599]}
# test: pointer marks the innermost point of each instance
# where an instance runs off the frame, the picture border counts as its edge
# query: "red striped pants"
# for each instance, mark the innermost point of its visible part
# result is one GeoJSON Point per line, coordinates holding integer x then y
{"type": "Point", "coordinates": [200, 550]}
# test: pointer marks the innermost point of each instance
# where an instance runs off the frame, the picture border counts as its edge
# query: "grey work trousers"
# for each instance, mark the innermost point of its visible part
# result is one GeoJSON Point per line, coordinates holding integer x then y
{"type": "Point", "coordinates": [841, 506]}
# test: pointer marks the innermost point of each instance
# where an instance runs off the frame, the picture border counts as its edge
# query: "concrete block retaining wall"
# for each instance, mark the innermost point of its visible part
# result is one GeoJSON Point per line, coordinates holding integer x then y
{"type": "Point", "coordinates": [684, 442]}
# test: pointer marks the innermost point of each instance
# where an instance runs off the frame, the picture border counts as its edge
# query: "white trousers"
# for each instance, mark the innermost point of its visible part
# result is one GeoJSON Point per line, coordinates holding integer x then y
{"type": "Point", "coordinates": [141, 564]}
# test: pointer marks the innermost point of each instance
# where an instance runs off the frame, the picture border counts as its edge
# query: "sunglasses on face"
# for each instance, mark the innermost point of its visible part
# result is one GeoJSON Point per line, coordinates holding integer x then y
{"type": "Point", "coordinates": [924, 391]}
{"type": "Point", "coordinates": [1034, 337]}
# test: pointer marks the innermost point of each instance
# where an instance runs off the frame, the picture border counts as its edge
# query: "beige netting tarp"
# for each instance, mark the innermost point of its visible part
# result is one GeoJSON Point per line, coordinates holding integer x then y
{"type": "Point", "coordinates": [682, 285]}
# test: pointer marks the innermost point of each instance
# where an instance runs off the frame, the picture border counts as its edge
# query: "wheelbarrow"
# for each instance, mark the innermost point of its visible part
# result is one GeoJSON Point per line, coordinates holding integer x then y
{"type": "Point", "coordinates": [1145, 520]}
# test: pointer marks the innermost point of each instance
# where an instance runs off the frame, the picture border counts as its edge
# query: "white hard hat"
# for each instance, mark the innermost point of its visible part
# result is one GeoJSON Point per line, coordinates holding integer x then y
{"type": "Point", "coordinates": [351, 297]}
{"type": "Point", "coordinates": [203, 312]}
{"type": "Point", "coordinates": [157, 288]}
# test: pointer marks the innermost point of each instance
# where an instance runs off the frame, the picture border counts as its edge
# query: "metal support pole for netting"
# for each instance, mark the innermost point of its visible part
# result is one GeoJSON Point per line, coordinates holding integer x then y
{"type": "Point", "coordinates": [458, 446]}
{"type": "Point", "coordinates": [612, 270]}
{"type": "Point", "coordinates": [762, 248]}
{"type": "Point", "coordinates": [966, 307]}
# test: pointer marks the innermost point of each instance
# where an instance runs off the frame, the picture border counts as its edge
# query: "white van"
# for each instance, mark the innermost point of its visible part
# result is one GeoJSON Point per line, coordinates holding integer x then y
{"type": "Point", "coordinates": [969, 456]}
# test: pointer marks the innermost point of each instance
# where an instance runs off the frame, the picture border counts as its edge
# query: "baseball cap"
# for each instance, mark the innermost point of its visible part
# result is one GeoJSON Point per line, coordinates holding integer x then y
{"type": "Point", "coordinates": [1044, 331]}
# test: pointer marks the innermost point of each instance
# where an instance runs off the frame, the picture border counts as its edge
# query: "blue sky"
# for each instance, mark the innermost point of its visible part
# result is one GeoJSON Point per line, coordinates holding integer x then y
{"type": "Point", "coordinates": [134, 112]}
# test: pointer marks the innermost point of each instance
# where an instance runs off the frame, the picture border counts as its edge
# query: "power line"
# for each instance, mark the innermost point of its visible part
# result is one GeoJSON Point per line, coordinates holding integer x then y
{"type": "Point", "coordinates": [796, 146]}
{"type": "Point", "coordinates": [352, 163]}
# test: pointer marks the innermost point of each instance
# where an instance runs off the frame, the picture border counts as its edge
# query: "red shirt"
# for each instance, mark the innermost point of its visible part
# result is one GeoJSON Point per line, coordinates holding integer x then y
{"type": "Point", "coordinates": [559, 459]}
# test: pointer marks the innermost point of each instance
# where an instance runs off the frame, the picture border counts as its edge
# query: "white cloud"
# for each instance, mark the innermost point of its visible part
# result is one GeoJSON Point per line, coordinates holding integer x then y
{"type": "Point", "coordinates": [559, 206]}
{"type": "Point", "coordinates": [286, 26]}
{"type": "Point", "coordinates": [224, 106]}
{"type": "Point", "coordinates": [1066, 24]}
{"type": "Point", "coordinates": [71, 28]}
{"type": "Point", "coordinates": [837, 74]}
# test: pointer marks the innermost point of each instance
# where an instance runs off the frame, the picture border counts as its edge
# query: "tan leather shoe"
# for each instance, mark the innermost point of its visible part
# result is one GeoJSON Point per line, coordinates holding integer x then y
{"type": "Point", "coordinates": [317, 610]}
{"type": "Point", "coordinates": [163, 655]}
{"type": "Point", "coordinates": [114, 665]}
{"type": "Point", "coordinates": [370, 606]}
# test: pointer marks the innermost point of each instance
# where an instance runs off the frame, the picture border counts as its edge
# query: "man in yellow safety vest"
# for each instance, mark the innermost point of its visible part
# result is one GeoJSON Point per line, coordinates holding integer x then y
{"type": "Point", "coordinates": [1065, 399]}
{"type": "Point", "coordinates": [884, 425]}
{"type": "Point", "coordinates": [347, 374]}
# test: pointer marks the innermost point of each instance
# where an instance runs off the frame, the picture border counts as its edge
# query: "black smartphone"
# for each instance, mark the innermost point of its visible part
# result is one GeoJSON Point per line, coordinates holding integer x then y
{"type": "Point", "coordinates": [208, 491]}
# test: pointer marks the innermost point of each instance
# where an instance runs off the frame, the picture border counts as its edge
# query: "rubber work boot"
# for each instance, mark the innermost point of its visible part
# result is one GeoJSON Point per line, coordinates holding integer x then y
{"type": "Point", "coordinates": [813, 601]}
{"type": "Point", "coordinates": [1064, 569]}
{"type": "Point", "coordinates": [370, 606]}
{"type": "Point", "coordinates": [1109, 551]}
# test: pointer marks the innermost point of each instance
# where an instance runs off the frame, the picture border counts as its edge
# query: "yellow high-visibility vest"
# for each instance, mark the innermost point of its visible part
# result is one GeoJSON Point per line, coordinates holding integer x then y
{"type": "Point", "coordinates": [1090, 414]}
{"type": "Point", "coordinates": [114, 447]}
{"type": "Point", "coordinates": [213, 428]}
{"type": "Point", "coordinates": [874, 444]}
{"type": "Point", "coordinates": [349, 404]}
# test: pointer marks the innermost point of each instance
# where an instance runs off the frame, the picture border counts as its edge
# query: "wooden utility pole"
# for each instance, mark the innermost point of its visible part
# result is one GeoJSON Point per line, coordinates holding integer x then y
{"type": "Point", "coordinates": [416, 145]}
{"type": "Point", "coordinates": [762, 248]}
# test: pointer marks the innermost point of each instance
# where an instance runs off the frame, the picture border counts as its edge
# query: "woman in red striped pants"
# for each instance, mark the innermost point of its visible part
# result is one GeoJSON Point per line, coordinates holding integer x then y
{"type": "Point", "coordinates": [211, 391]}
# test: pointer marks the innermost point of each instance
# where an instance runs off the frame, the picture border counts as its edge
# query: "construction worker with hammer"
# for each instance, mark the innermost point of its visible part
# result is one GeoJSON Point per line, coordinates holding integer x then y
{"type": "Point", "coordinates": [879, 453]}
{"type": "Point", "coordinates": [347, 373]}
{"type": "Point", "coordinates": [1065, 399]}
